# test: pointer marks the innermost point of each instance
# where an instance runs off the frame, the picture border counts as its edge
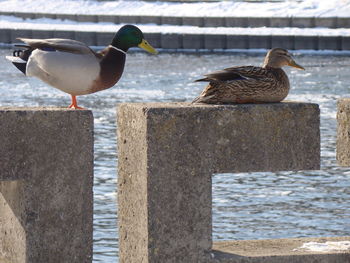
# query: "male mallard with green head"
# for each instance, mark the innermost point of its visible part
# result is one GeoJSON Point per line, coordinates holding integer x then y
{"type": "Point", "coordinates": [249, 84]}
{"type": "Point", "coordinates": [73, 67]}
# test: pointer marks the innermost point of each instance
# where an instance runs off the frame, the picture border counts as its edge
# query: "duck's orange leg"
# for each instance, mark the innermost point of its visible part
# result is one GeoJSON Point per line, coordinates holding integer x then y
{"type": "Point", "coordinates": [74, 103]}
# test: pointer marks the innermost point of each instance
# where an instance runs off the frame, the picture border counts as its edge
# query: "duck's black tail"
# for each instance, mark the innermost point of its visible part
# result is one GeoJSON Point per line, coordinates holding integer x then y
{"type": "Point", "coordinates": [20, 57]}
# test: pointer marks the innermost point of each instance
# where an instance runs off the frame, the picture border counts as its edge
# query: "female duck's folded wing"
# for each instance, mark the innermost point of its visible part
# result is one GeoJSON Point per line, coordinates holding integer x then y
{"type": "Point", "coordinates": [221, 75]}
{"type": "Point", "coordinates": [236, 73]}
{"type": "Point", "coordinates": [249, 72]}
{"type": "Point", "coordinates": [65, 45]}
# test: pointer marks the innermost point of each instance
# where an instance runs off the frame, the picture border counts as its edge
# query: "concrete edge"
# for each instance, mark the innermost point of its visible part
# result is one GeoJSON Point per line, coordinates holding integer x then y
{"type": "Point", "coordinates": [330, 22]}
{"type": "Point", "coordinates": [193, 41]}
{"type": "Point", "coordinates": [277, 250]}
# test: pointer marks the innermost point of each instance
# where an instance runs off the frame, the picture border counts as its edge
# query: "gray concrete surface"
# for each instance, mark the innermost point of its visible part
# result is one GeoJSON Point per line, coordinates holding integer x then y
{"type": "Point", "coordinates": [277, 251]}
{"type": "Point", "coordinates": [306, 42]}
{"type": "Point", "coordinates": [343, 132]}
{"type": "Point", "coordinates": [193, 41]}
{"type": "Point", "coordinates": [237, 42]}
{"type": "Point", "coordinates": [329, 43]}
{"type": "Point", "coordinates": [215, 41]}
{"type": "Point", "coordinates": [303, 22]}
{"type": "Point", "coordinates": [46, 179]}
{"type": "Point", "coordinates": [286, 42]}
{"type": "Point", "coordinates": [259, 42]}
{"type": "Point", "coordinates": [345, 43]}
{"type": "Point", "coordinates": [168, 153]}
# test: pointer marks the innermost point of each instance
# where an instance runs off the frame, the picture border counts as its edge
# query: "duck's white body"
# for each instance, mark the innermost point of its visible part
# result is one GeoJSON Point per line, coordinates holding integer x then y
{"type": "Point", "coordinates": [70, 65]}
{"type": "Point", "coordinates": [64, 70]}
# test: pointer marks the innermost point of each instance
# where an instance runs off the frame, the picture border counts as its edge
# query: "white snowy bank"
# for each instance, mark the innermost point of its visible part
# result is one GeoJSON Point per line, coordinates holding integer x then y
{"type": "Point", "coordinates": [306, 8]}
{"type": "Point", "coordinates": [8, 22]}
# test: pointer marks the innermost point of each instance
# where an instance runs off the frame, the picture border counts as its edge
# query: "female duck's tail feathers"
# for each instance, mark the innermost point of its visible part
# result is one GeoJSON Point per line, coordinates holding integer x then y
{"type": "Point", "coordinates": [14, 59]}
{"type": "Point", "coordinates": [20, 58]}
{"type": "Point", "coordinates": [204, 99]}
{"type": "Point", "coordinates": [196, 100]}
{"type": "Point", "coordinates": [203, 79]}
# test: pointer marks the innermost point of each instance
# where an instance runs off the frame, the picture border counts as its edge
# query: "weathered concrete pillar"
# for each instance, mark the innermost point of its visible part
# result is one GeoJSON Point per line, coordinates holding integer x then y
{"type": "Point", "coordinates": [168, 152]}
{"type": "Point", "coordinates": [46, 179]}
{"type": "Point", "coordinates": [343, 132]}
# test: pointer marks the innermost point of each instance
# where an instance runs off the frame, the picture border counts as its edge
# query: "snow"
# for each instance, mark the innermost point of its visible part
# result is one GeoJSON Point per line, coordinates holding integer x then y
{"type": "Point", "coordinates": [306, 8]}
{"type": "Point", "coordinates": [9, 22]}
{"type": "Point", "coordinates": [326, 247]}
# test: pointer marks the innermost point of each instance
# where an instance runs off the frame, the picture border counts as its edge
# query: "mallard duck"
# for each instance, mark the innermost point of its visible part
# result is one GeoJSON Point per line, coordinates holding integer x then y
{"type": "Point", "coordinates": [73, 67]}
{"type": "Point", "coordinates": [249, 84]}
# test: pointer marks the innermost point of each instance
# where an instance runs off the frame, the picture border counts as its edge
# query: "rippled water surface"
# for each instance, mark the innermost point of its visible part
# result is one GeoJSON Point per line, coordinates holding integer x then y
{"type": "Point", "coordinates": [245, 205]}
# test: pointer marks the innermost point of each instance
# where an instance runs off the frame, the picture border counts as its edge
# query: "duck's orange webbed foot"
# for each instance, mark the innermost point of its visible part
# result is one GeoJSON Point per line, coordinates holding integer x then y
{"type": "Point", "coordinates": [74, 104]}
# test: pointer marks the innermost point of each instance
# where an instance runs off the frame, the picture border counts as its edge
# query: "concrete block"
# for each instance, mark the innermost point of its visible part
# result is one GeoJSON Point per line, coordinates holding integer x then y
{"type": "Point", "coordinates": [107, 19]}
{"type": "Point", "coordinates": [154, 39]}
{"type": "Point", "coordinates": [46, 15]}
{"type": "Point", "coordinates": [343, 132]}
{"type": "Point", "coordinates": [5, 36]}
{"type": "Point", "coordinates": [330, 43]}
{"type": "Point", "coordinates": [87, 18]}
{"type": "Point", "coordinates": [171, 20]}
{"type": "Point", "coordinates": [171, 41]}
{"type": "Point", "coordinates": [25, 15]}
{"type": "Point", "coordinates": [150, 20]}
{"type": "Point", "coordinates": [42, 34]}
{"type": "Point", "coordinates": [286, 42]}
{"type": "Point", "coordinates": [306, 42]}
{"type": "Point", "coordinates": [280, 21]}
{"type": "Point", "coordinates": [259, 41]}
{"type": "Point", "coordinates": [343, 22]}
{"type": "Point", "coordinates": [16, 33]}
{"type": "Point", "coordinates": [214, 21]}
{"type": "Point", "coordinates": [258, 22]}
{"type": "Point", "coordinates": [193, 21]}
{"type": "Point", "coordinates": [168, 152]}
{"type": "Point", "coordinates": [72, 17]}
{"type": "Point", "coordinates": [129, 19]}
{"type": "Point", "coordinates": [303, 22]}
{"type": "Point", "coordinates": [104, 38]}
{"type": "Point", "coordinates": [193, 41]}
{"type": "Point", "coordinates": [329, 22]}
{"type": "Point", "coordinates": [215, 41]}
{"type": "Point", "coordinates": [46, 202]}
{"type": "Point", "coordinates": [237, 42]}
{"type": "Point", "coordinates": [236, 21]}
{"type": "Point", "coordinates": [6, 13]}
{"type": "Point", "coordinates": [89, 38]}
{"type": "Point", "coordinates": [345, 43]}
{"type": "Point", "coordinates": [286, 250]}
{"type": "Point", "coordinates": [63, 34]}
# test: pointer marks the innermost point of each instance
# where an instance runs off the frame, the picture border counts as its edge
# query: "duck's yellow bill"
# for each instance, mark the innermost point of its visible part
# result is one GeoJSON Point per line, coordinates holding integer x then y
{"type": "Point", "coordinates": [146, 46]}
{"type": "Point", "coordinates": [295, 65]}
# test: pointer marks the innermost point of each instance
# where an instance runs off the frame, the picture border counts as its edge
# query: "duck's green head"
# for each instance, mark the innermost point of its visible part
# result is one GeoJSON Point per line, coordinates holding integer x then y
{"type": "Point", "coordinates": [131, 36]}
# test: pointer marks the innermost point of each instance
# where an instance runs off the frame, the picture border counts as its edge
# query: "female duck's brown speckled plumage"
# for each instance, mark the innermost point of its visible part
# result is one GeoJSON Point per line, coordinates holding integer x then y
{"type": "Point", "coordinates": [249, 84]}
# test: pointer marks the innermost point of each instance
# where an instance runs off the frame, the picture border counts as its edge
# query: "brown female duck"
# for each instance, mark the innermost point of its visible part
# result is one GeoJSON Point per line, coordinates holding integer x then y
{"type": "Point", "coordinates": [249, 84]}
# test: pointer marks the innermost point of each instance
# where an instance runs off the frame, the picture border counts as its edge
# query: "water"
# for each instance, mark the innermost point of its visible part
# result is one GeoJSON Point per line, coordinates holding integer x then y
{"type": "Point", "coordinates": [246, 205]}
